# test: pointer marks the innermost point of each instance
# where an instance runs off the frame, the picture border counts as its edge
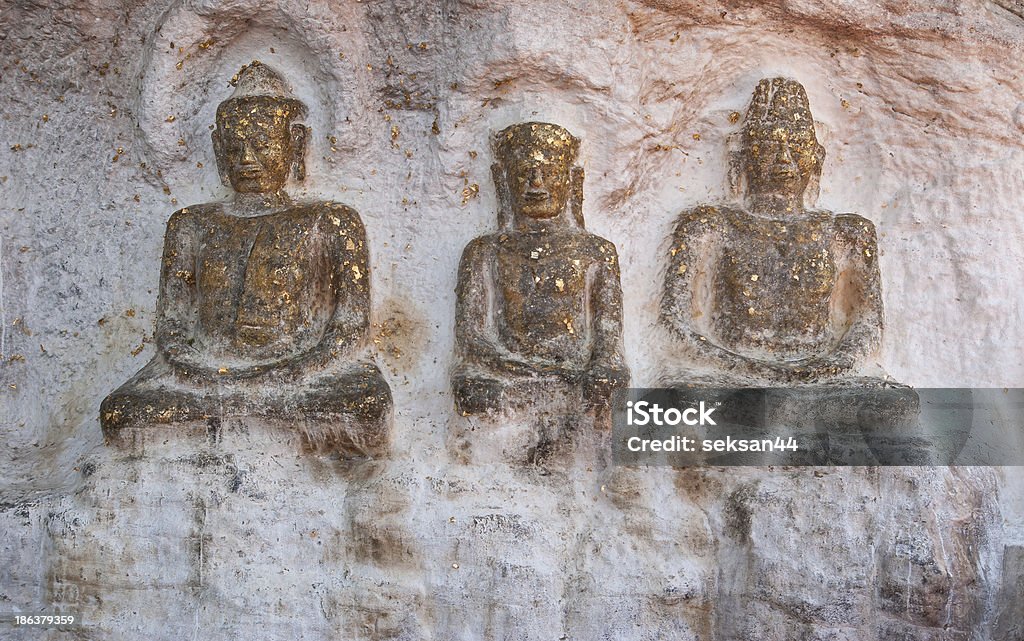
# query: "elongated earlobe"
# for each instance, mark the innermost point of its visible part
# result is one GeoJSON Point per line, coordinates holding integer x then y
{"type": "Point", "coordinates": [504, 196]}
{"type": "Point", "coordinates": [814, 183]}
{"type": "Point", "coordinates": [298, 136]}
{"type": "Point", "coordinates": [218, 153]}
{"type": "Point", "coordinates": [576, 177]}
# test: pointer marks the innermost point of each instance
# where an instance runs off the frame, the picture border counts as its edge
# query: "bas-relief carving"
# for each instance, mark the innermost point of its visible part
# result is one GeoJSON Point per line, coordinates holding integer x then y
{"type": "Point", "coordinates": [771, 292]}
{"type": "Point", "coordinates": [264, 302]}
{"type": "Point", "coordinates": [539, 304]}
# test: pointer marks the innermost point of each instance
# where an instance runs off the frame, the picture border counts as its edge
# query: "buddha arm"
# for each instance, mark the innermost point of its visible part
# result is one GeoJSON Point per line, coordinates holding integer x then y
{"type": "Point", "coordinates": [691, 252]}
{"type": "Point", "coordinates": [176, 303]}
{"type": "Point", "coordinates": [691, 263]}
{"type": "Point", "coordinates": [474, 313]}
{"type": "Point", "coordinates": [606, 360]}
{"type": "Point", "coordinates": [606, 370]}
{"type": "Point", "coordinates": [856, 302]}
{"type": "Point", "coordinates": [348, 259]}
{"type": "Point", "coordinates": [350, 322]}
{"type": "Point", "coordinates": [858, 299]}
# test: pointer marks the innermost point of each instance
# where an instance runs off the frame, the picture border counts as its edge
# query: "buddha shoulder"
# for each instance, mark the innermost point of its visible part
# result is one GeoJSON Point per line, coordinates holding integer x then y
{"type": "Point", "coordinates": [484, 245]}
{"type": "Point", "coordinates": [324, 218]}
{"type": "Point", "coordinates": [707, 218]}
{"type": "Point", "coordinates": [855, 229]}
{"type": "Point", "coordinates": [330, 210]}
{"type": "Point", "coordinates": [187, 218]}
{"type": "Point", "coordinates": [599, 248]}
{"type": "Point", "coordinates": [328, 214]}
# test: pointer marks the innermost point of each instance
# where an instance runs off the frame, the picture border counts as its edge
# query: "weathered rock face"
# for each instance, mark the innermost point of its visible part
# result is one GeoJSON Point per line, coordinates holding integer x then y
{"type": "Point", "coordinates": [236, 531]}
{"type": "Point", "coordinates": [516, 529]}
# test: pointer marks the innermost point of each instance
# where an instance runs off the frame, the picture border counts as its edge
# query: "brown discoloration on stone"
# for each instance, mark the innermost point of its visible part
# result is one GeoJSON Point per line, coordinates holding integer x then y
{"type": "Point", "coordinates": [399, 335]}
{"type": "Point", "coordinates": [699, 485]}
{"type": "Point", "coordinates": [930, 574]}
{"type": "Point", "coordinates": [540, 300]}
{"type": "Point", "coordinates": [737, 512]}
{"type": "Point", "coordinates": [1010, 621]}
{"type": "Point", "coordinates": [263, 302]}
{"type": "Point", "coordinates": [385, 545]}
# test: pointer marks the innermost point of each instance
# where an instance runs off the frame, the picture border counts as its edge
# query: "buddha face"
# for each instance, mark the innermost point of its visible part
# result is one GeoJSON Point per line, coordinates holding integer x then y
{"type": "Point", "coordinates": [781, 159]}
{"type": "Point", "coordinates": [536, 159]}
{"type": "Point", "coordinates": [255, 144]}
{"type": "Point", "coordinates": [539, 185]}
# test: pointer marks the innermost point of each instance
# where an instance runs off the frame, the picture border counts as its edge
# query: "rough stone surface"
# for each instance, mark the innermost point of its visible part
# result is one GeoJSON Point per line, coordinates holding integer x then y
{"type": "Point", "coordinates": [232, 533]}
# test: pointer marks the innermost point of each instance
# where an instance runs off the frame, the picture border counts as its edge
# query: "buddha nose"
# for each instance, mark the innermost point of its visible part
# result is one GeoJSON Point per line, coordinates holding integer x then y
{"type": "Point", "coordinates": [784, 156]}
{"type": "Point", "coordinates": [536, 177]}
{"type": "Point", "coordinates": [248, 157]}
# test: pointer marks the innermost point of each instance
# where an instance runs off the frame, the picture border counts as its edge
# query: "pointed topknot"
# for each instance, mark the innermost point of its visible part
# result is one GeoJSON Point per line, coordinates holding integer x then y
{"type": "Point", "coordinates": [539, 140]}
{"type": "Point", "coordinates": [779, 101]}
{"type": "Point", "coordinates": [256, 80]}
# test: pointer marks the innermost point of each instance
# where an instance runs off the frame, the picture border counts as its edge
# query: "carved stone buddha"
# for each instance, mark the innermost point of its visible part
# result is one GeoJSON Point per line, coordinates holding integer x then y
{"type": "Point", "coordinates": [539, 302]}
{"type": "Point", "coordinates": [264, 302]}
{"type": "Point", "coordinates": [771, 292]}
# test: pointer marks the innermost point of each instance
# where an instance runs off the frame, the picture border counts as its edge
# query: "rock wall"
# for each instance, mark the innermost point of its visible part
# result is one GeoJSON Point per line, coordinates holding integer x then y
{"type": "Point", "coordinates": [106, 109]}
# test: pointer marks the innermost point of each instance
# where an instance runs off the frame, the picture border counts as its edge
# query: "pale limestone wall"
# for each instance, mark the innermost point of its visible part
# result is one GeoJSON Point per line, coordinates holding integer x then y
{"type": "Point", "coordinates": [919, 107]}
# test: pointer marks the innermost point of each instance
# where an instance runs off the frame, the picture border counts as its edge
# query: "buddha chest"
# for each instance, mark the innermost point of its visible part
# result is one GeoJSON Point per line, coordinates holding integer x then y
{"type": "Point", "coordinates": [541, 286]}
{"type": "Point", "coordinates": [772, 285]}
{"type": "Point", "coordinates": [263, 283]}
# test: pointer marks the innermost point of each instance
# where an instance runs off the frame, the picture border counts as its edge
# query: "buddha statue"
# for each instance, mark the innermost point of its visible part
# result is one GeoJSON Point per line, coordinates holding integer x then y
{"type": "Point", "coordinates": [539, 304]}
{"type": "Point", "coordinates": [264, 302]}
{"type": "Point", "coordinates": [771, 292]}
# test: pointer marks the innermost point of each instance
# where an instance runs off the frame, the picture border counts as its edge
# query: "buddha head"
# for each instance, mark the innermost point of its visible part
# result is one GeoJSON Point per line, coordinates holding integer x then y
{"type": "Point", "coordinates": [256, 141]}
{"type": "Point", "coordinates": [781, 154]}
{"type": "Point", "coordinates": [535, 162]}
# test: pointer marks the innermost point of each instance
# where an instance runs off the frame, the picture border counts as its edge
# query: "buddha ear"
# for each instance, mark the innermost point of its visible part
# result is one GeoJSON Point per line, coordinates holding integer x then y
{"type": "Point", "coordinates": [298, 134]}
{"type": "Point", "coordinates": [218, 153]}
{"type": "Point", "coordinates": [576, 176]}
{"type": "Point", "coordinates": [814, 182]}
{"type": "Point", "coordinates": [737, 164]}
{"type": "Point", "coordinates": [504, 195]}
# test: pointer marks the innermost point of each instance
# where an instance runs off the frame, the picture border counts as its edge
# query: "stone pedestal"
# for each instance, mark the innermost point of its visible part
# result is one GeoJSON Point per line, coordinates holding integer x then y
{"type": "Point", "coordinates": [233, 532]}
{"type": "Point", "coordinates": [236, 532]}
